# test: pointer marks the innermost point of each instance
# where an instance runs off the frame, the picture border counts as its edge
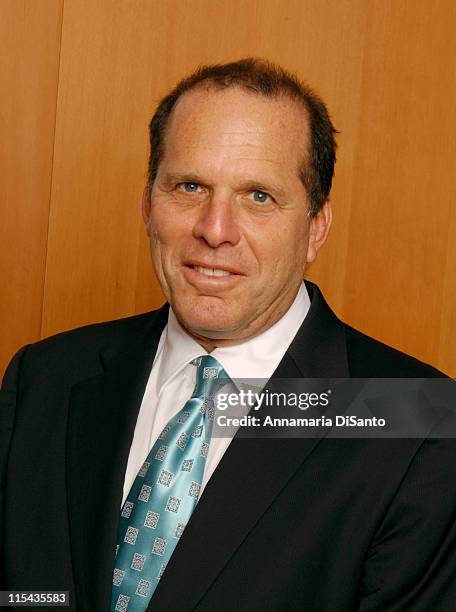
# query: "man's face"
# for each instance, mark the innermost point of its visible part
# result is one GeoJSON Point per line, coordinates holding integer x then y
{"type": "Point", "coordinates": [227, 216]}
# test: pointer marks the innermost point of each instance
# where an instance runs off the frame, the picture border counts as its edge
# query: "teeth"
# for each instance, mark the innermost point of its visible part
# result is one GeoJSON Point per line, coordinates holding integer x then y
{"type": "Point", "coordinates": [211, 271]}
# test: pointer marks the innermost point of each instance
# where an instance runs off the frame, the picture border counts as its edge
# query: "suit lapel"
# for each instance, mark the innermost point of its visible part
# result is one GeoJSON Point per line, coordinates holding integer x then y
{"type": "Point", "coordinates": [252, 470]}
{"type": "Point", "coordinates": [102, 418]}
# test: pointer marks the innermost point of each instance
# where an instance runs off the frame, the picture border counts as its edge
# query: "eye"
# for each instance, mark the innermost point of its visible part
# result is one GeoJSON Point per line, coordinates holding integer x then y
{"type": "Point", "coordinates": [261, 197]}
{"type": "Point", "coordinates": [189, 187]}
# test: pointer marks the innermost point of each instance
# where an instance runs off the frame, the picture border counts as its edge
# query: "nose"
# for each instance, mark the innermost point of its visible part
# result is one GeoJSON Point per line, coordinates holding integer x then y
{"type": "Point", "coordinates": [216, 223]}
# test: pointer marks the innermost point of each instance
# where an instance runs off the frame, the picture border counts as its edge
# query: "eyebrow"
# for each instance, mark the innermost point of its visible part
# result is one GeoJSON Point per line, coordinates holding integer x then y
{"type": "Point", "coordinates": [182, 177]}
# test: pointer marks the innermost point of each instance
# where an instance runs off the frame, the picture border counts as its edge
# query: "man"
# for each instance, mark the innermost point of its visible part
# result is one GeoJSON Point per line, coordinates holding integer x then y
{"type": "Point", "coordinates": [237, 204]}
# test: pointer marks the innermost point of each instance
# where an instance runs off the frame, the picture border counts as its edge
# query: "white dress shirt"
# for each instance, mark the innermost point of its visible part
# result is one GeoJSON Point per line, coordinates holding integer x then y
{"type": "Point", "coordinates": [172, 379]}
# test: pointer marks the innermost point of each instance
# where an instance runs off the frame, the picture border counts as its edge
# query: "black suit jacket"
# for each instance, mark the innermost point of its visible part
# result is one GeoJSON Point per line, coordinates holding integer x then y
{"type": "Point", "coordinates": [322, 525]}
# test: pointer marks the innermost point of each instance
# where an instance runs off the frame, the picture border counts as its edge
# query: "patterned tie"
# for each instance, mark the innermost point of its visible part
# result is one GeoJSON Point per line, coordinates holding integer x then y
{"type": "Point", "coordinates": [164, 494]}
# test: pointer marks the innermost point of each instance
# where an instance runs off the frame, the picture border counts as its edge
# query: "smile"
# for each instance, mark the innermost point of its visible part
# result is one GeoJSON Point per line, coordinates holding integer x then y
{"type": "Point", "coordinates": [211, 279]}
{"type": "Point", "coordinates": [211, 271]}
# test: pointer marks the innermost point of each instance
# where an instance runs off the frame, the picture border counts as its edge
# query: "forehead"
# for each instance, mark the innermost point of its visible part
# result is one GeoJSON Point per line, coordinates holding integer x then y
{"type": "Point", "coordinates": [238, 123]}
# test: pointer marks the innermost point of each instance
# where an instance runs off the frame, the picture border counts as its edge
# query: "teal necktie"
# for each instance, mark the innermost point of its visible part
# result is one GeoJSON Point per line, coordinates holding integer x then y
{"type": "Point", "coordinates": [164, 494]}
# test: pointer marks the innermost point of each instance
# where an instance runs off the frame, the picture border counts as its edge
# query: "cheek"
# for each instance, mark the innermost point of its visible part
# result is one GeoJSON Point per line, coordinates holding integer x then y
{"type": "Point", "coordinates": [159, 252]}
{"type": "Point", "coordinates": [276, 249]}
{"type": "Point", "coordinates": [284, 254]}
{"type": "Point", "coordinates": [165, 247]}
{"type": "Point", "coordinates": [155, 242]}
{"type": "Point", "coordinates": [161, 231]}
{"type": "Point", "coordinates": [170, 224]}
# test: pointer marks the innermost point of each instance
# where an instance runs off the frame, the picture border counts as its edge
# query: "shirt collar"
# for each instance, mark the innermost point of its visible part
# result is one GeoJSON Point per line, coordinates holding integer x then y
{"type": "Point", "coordinates": [255, 358]}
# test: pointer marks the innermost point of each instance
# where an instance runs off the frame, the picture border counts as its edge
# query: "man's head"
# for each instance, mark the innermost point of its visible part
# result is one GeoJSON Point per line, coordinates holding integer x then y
{"type": "Point", "coordinates": [316, 168]}
{"type": "Point", "coordinates": [242, 158]}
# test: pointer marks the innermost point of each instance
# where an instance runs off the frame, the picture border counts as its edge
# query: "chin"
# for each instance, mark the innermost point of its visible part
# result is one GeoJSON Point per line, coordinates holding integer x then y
{"type": "Point", "coordinates": [209, 319]}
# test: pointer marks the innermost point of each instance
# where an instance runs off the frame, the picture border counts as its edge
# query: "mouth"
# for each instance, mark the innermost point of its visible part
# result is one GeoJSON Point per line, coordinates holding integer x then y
{"type": "Point", "coordinates": [204, 275]}
{"type": "Point", "coordinates": [211, 271]}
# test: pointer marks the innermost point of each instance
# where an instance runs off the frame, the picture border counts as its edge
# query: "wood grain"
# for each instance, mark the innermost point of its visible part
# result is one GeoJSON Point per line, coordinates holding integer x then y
{"type": "Point", "coordinates": [386, 70]}
{"type": "Point", "coordinates": [29, 64]}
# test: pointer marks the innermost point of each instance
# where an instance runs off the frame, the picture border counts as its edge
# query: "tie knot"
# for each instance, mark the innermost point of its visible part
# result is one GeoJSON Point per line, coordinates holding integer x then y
{"type": "Point", "coordinates": [210, 375]}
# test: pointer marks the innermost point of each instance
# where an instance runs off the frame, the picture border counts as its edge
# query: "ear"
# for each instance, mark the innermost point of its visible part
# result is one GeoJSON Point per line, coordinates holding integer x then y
{"type": "Point", "coordinates": [145, 208]}
{"type": "Point", "coordinates": [319, 229]}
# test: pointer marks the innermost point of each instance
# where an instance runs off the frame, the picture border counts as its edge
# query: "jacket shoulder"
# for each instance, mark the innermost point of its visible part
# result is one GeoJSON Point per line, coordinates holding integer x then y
{"type": "Point", "coordinates": [97, 334]}
{"type": "Point", "coordinates": [71, 353]}
{"type": "Point", "coordinates": [371, 358]}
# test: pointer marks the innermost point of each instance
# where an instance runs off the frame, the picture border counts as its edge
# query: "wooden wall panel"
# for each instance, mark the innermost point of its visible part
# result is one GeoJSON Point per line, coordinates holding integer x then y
{"type": "Point", "coordinates": [115, 67]}
{"type": "Point", "coordinates": [99, 163]}
{"type": "Point", "coordinates": [403, 188]}
{"type": "Point", "coordinates": [385, 69]}
{"type": "Point", "coordinates": [29, 64]}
